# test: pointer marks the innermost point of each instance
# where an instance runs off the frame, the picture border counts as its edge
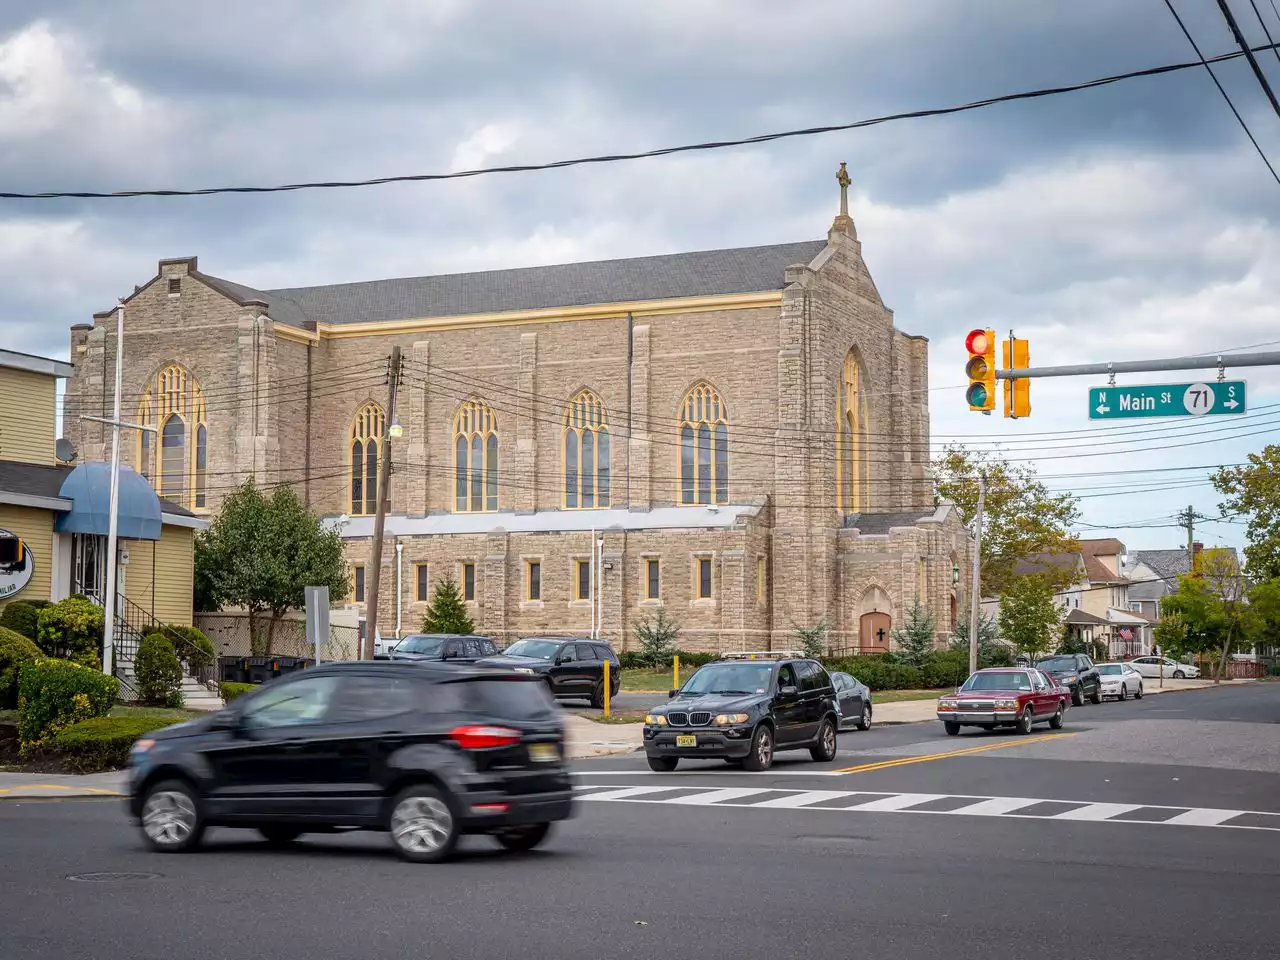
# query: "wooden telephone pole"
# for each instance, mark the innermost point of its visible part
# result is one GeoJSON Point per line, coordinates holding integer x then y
{"type": "Point", "coordinates": [380, 515]}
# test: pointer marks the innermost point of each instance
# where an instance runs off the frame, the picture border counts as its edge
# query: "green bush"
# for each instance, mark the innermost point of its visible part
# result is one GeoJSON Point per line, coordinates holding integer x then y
{"type": "Point", "coordinates": [229, 691]}
{"type": "Point", "coordinates": [878, 672]}
{"type": "Point", "coordinates": [193, 648]}
{"type": "Point", "coordinates": [21, 617]}
{"type": "Point", "coordinates": [689, 659]}
{"type": "Point", "coordinates": [71, 629]}
{"type": "Point", "coordinates": [102, 743]}
{"type": "Point", "coordinates": [632, 660]}
{"type": "Point", "coordinates": [53, 694]}
{"type": "Point", "coordinates": [15, 651]}
{"type": "Point", "coordinates": [158, 671]}
{"type": "Point", "coordinates": [944, 668]}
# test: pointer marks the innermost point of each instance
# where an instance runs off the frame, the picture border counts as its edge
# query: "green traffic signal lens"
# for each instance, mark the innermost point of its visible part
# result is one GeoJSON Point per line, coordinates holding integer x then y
{"type": "Point", "coordinates": [976, 395]}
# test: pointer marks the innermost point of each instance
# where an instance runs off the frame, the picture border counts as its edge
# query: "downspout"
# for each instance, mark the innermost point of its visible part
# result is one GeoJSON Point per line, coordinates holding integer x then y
{"type": "Point", "coordinates": [306, 443]}
{"type": "Point", "coordinates": [630, 421]}
{"type": "Point", "coordinates": [399, 587]}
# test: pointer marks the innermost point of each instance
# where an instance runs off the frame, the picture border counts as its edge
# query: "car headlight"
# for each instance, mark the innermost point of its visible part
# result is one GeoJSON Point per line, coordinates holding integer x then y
{"type": "Point", "coordinates": [142, 746]}
{"type": "Point", "coordinates": [946, 705]}
{"type": "Point", "coordinates": [724, 719]}
{"type": "Point", "coordinates": [1006, 704]}
{"type": "Point", "coordinates": [524, 670]}
{"type": "Point", "coordinates": [655, 719]}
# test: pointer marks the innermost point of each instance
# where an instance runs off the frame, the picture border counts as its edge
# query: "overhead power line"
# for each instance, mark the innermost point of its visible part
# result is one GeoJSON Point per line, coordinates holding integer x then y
{"type": "Point", "coordinates": [1244, 48]}
{"type": "Point", "coordinates": [660, 151]}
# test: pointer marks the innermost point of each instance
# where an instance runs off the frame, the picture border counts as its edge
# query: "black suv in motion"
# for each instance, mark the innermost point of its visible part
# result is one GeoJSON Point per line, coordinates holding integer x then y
{"type": "Point", "coordinates": [1077, 673]}
{"type": "Point", "coordinates": [745, 707]}
{"type": "Point", "coordinates": [424, 751]}
{"type": "Point", "coordinates": [571, 667]}
{"type": "Point", "coordinates": [442, 646]}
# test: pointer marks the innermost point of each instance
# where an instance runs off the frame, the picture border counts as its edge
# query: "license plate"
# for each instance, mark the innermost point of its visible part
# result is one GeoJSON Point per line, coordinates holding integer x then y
{"type": "Point", "coordinates": [543, 752]}
{"type": "Point", "coordinates": [686, 741]}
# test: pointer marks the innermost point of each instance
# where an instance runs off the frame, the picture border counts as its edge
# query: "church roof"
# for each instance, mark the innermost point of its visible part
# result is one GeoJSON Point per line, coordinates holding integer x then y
{"type": "Point", "coordinates": [702, 273]}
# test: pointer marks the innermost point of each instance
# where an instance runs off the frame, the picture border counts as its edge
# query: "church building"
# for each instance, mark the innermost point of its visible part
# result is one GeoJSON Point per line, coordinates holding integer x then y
{"type": "Point", "coordinates": [736, 437]}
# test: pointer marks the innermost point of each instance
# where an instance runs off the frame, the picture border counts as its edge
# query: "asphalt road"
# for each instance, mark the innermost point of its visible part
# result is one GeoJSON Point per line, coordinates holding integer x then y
{"type": "Point", "coordinates": [673, 869]}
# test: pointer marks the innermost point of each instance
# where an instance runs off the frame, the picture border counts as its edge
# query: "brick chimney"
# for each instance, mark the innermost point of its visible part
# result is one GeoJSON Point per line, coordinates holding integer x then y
{"type": "Point", "coordinates": [1196, 547]}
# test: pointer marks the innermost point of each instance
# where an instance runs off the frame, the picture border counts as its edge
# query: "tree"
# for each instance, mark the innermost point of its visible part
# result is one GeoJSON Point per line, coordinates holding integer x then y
{"type": "Point", "coordinates": [1029, 616]}
{"type": "Point", "coordinates": [261, 553]}
{"type": "Point", "coordinates": [1170, 633]}
{"type": "Point", "coordinates": [1021, 517]}
{"type": "Point", "coordinates": [1212, 603]}
{"type": "Point", "coordinates": [916, 635]}
{"type": "Point", "coordinates": [991, 652]}
{"type": "Point", "coordinates": [813, 640]}
{"type": "Point", "coordinates": [1253, 491]}
{"type": "Point", "coordinates": [448, 611]}
{"type": "Point", "coordinates": [657, 638]}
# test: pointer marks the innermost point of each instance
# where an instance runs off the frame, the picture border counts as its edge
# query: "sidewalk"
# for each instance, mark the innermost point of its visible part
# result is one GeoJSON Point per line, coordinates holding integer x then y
{"type": "Point", "coordinates": [24, 785]}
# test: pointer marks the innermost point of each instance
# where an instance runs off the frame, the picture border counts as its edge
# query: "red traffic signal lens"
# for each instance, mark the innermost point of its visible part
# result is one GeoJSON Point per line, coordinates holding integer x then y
{"type": "Point", "coordinates": [977, 368]}
{"type": "Point", "coordinates": [976, 395]}
{"type": "Point", "coordinates": [977, 341]}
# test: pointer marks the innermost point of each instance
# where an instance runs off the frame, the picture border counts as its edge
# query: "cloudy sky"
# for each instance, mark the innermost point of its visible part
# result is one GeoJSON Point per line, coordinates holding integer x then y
{"type": "Point", "coordinates": [1129, 222]}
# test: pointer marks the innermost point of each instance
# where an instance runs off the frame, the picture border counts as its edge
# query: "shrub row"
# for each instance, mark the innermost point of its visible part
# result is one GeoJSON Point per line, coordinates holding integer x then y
{"type": "Point", "coordinates": [23, 616]}
{"type": "Point", "coordinates": [635, 659]}
{"type": "Point", "coordinates": [15, 652]}
{"type": "Point", "coordinates": [54, 694]}
{"type": "Point", "coordinates": [159, 671]}
{"type": "Point", "coordinates": [229, 691]}
{"type": "Point", "coordinates": [101, 743]}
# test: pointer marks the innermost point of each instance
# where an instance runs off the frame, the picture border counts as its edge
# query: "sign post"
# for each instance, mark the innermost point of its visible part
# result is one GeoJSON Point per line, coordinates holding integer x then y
{"type": "Point", "coordinates": [1218, 398]}
{"type": "Point", "coordinates": [317, 600]}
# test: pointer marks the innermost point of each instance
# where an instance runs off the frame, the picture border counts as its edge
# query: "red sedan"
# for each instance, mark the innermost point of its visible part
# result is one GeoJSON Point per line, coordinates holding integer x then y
{"type": "Point", "coordinates": [1017, 697]}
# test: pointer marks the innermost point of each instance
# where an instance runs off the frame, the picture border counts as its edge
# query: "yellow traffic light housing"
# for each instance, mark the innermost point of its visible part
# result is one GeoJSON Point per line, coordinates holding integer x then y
{"type": "Point", "coordinates": [981, 370]}
{"type": "Point", "coordinates": [1017, 393]}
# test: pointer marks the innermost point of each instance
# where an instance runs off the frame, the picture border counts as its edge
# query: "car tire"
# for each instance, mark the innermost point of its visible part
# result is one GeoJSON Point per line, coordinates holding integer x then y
{"type": "Point", "coordinates": [1025, 723]}
{"type": "Point", "coordinates": [953, 729]}
{"type": "Point", "coordinates": [171, 819]}
{"type": "Point", "coordinates": [424, 826]}
{"type": "Point", "coordinates": [279, 835]}
{"type": "Point", "coordinates": [824, 750]}
{"type": "Point", "coordinates": [597, 695]}
{"type": "Point", "coordinates": [1179, 675]}
{"type": "Point", "coordinates": [1138, 695]}
{"type": "Point", "coordinates": [1124, 692]}
{"type": "Point", "coordinates": [1077, 695]}
{"type": "Point", "coordinates": [761, 755]}
{"type": "Point", "coordinates": [662, 764]}
{"type": "Point", "coordinates": [1096, 697]}
{"type": "Point", "coordinates": [1055, 722]}
{"type": "Point", "coordinates": [864, 724]}
{"type": "Point", "coordinates": [522, 839]}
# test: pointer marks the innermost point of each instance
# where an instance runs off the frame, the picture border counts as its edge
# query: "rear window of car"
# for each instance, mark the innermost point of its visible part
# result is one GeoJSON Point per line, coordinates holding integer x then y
{"type": "Point", "coordinates": [1110, 669]}
{"type": "Point", "coordinates": [508, 699]}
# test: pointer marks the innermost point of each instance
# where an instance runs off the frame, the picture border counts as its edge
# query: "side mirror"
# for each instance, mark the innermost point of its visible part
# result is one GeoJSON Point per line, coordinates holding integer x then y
{"type": "Point", "coordinates": [788, 691]}
{"type": "Point", "coordinates": [672, 693]}
{"type": "Point", "coordinates": [225, 719]}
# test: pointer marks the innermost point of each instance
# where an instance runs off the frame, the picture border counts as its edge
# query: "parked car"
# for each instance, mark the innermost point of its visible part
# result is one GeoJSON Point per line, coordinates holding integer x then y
{"type": "Point", "coordinates": [1077, 673]}
{"type": "Point", "coordinates": [444, 646]}
{"type": "Point", "coordinates": [1120, 680]}
{"type": "Point", "coordinates": [744, 708]}
{"type": "Point", "coordinates": [1005, 697]}
{"type": "Point", "coordinates": [571, 667]}
{"type": "Point", "coordinates": [424, 751]}
{"type": "Point", "coordinates": [853, 701]}
{"type": "Point", "coordinates": [1154, 666]}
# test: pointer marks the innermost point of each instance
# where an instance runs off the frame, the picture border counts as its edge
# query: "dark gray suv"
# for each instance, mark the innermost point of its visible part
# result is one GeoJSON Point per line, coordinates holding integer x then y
{"type": "Point", "coordinates": [1077, 673]}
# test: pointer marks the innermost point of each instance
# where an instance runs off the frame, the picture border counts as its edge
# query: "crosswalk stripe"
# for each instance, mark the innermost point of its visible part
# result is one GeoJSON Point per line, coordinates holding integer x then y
{"type": "Point", "coordinates": [899, 802]}
{"type": "Point", "coordinates": [719, 796]}
{"type": "Point", "coordinates": [627, 793]}
{"type": "Point", "coordinates": [1097, 811]}
{"type": "Point", "coordinates": [1203, 818]}
{"type": "Point", "coordinates": [995, 807]}
{"type": "Point", "coordinates": [801, 799]}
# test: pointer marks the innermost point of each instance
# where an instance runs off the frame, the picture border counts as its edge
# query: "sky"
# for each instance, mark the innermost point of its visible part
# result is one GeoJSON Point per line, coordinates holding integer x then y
{"type": "Point", "coordinates": [1130, 222]}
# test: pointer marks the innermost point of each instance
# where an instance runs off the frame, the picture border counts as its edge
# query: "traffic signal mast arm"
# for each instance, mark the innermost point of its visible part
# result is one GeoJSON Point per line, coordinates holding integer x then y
{"type": "Point", "coordinates": [1266, 358]}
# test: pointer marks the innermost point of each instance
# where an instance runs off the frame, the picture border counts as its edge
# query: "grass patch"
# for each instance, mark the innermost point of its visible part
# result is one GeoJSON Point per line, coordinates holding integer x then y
{"type": "Point", "coordinates": [649, 681]}
{"type": "Point", "coordinates": [899, 696]}
{"type": "Point", "coordinates": [155, 713]}
{"type": "Point", "coordinates": [616, 718]}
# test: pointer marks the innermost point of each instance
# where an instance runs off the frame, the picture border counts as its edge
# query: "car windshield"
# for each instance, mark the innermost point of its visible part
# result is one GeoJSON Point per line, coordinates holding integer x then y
{"type": "Point", "coordinates": [537, 649]}
{"type": "Point", "coordinates": [428, 645]}
{"type": "Point", "coordinates": [997, 681]}
{"type": "Point", "coordinates": [730, 678]}
{"type": "Point", "coordinates": [1110, 669]}
{"type": "Point", "coordinates": [1057, 663]}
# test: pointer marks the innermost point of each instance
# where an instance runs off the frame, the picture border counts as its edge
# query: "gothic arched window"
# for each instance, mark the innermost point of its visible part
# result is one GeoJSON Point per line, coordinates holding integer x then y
{"type": "Point", "coordinates": [851, 425]}
{"type": "Point", "coordinates": [366, 445]}
{"type": "Point", "coordinates": [586, 452]}
{"type": "Point", "coordinates": [475, 458]}
{"type": "Point", "coordinates": [704, 447]}
{"type": "Point", "coordinates": [175, 458]}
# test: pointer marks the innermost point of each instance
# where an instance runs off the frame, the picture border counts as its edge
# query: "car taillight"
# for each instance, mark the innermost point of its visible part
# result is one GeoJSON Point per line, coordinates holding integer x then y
{"type": "Point", "coordinates": [483, 738]}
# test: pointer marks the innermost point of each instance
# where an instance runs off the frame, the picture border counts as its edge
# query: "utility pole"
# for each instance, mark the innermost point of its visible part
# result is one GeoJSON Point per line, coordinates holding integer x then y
{"type": "Point", "coordinates": [975, 593]}
{"type": "Point", "coordinates": [1187, 519]}
{"type": "Point", "coordinates": [113, 522]}
{"type": "Point", "coordinates": [380, 515]}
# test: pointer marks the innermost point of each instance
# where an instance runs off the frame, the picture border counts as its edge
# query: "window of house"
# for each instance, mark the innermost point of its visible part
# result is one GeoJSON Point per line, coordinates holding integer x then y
{"type": "Point", "coordinates": [704, 578]}
{"type": "Point", "coordinates": [366, 446]}
{"type": "Point", "coordinates": [653, 579]}
{"type": "Point", "coordinates": [582, 588]}
{"type": "Point", "coordinates": [851, 418]}
{"type": "Point", "coordinates": [760, 579]}
{"type": "Point", "coordinates": [358, 573]}
{"type": "Point", "coordinates": [174, 456]}
{"type": "Point", "coordinates": [422, 575]}
{"type": "Point", "coordinates": [704, 447]}
{"type": "Point", "coordinates": [535, 580]}
{"type": "Point", "coordinates": [468, 581]}
{"type": "Point", "coordinates": [475, 458]}
{"type": "Point", "coordinates": [586, 453]}
{"type": "Point", "coordinates": [175, 285]}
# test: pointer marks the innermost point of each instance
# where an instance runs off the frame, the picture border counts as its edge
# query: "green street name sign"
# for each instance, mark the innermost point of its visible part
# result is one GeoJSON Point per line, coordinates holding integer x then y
{"type": "Point", "coordinates": [1214, 399]}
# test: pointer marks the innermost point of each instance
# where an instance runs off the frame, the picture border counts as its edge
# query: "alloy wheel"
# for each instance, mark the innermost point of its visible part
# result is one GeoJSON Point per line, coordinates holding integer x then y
{"type": "Point", "coordinates": [168, 818]}
{"type": "Point", "coordinates": [421, 825]}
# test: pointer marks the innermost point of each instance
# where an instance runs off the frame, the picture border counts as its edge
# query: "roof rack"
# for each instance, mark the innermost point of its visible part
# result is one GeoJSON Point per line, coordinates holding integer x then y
{"type": "Point", "coordinates": [763, 655]}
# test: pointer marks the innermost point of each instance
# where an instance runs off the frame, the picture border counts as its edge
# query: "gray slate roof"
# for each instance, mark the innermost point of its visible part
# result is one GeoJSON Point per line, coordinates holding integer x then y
{"type": "Point", "coordinates": [704, 273]}
{"type": "Point", "coordinates": [1163, 563]}
{"type": "Point", "coordinates": [875, 524]}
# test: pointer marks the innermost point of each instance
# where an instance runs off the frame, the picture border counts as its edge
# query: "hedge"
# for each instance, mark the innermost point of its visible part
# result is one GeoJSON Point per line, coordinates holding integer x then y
{"type": "Point", "coordinates": [158, 671]}
{"type": "Point", "coordinates": [21, 617]}
{"type": "Point", "coordinates": [72, 629]}
{"type": "Point", "coordinates": [15, 651]}
{"type": "Point", "coordinates": [193, 648]}
{"type": "Point", "coordinates": [229, 691]}
{"type": "Point", "coordinates": [102, 743]}
{"type": "Point", "coordinates": [635, 659]}
{"type": "Point", "coordinates": [53, 694]}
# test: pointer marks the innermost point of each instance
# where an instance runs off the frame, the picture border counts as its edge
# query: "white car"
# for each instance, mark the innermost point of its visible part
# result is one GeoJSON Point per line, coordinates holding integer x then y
{"type": "Point", "coordinates": [1155, 666]}
{"type": "Point", "coordinates": [1120, 680]}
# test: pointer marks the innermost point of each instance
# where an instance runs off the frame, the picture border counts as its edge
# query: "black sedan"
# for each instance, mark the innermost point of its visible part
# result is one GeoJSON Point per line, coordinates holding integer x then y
{"type": "Point", "coordinates": [853, 699]}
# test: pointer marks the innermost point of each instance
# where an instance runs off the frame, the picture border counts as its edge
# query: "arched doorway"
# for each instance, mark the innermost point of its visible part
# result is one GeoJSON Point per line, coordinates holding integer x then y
{"type": "Point", "coordinates": [873, 632]}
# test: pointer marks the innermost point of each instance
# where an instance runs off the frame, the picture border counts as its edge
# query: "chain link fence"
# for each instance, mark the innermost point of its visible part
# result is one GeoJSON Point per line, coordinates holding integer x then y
{"type": "Point", "coordinates": [288, 638]}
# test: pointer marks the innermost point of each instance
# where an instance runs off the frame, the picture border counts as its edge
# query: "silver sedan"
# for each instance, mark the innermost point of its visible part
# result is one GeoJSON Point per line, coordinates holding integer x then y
{"type": "Point", "coordinates": [1120, 680]}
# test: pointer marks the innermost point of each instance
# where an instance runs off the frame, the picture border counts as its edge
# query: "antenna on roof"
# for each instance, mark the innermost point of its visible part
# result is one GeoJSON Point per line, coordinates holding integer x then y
{"type": "Point", "coordinates": [65, 450]}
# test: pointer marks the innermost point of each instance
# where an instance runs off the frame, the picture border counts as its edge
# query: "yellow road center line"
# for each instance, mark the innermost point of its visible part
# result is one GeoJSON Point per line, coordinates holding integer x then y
{"type": "Point", "coordinates": [883, 764]}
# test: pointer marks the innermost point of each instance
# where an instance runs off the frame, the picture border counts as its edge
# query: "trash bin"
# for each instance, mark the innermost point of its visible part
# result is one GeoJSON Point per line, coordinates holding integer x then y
{"type": "Point", "coordinates": [231, 670]}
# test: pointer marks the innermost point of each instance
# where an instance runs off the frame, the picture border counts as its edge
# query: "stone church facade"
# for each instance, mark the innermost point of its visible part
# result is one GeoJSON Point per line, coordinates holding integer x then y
{"type": "Point", "coordinates": [745, 431]}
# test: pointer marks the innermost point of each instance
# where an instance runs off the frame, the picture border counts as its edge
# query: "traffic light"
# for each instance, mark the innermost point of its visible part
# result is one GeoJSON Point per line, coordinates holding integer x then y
{"type": "Point", "coordinates": [981, 370]}
{"type": "Point", "coordinates": [1017, 393]}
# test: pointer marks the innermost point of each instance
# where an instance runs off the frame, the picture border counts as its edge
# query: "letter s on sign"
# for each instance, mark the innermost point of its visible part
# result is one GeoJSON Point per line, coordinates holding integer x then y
{"type": "Point", "coordinates": [1166, 397]}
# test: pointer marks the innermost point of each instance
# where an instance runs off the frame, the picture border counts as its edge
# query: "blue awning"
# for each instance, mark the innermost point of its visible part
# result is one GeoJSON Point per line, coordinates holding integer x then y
{"type": "Point", "coordinates": [88, 486]}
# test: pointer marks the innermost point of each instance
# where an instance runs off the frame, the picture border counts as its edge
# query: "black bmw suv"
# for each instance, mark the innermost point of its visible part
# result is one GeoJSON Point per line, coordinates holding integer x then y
{"type": "Point", "coordinates": [571, 667]}
{"type": "Point", "coordinates": [1077, 673]}
{"type": "Point", "coordinates": [746, 707]}
{"type": "Point", "coordinates": [425, 751]}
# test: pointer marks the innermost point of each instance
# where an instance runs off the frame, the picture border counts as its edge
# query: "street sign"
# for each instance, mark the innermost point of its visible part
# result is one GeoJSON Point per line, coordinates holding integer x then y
{"type": "Point", "coordinates": [1214, 399]}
